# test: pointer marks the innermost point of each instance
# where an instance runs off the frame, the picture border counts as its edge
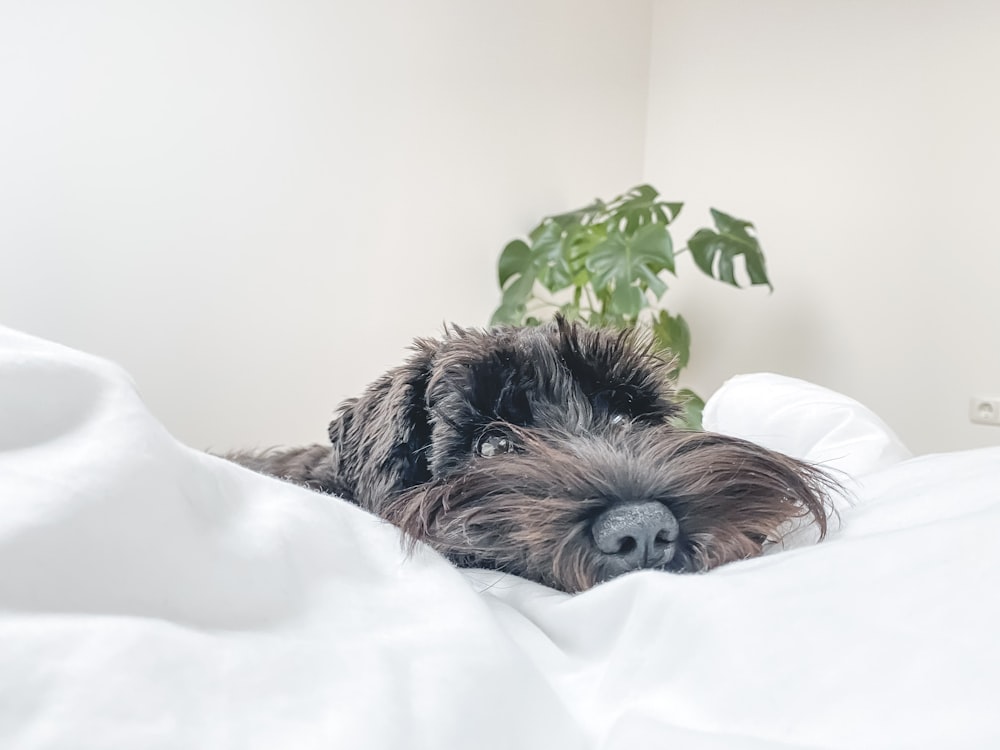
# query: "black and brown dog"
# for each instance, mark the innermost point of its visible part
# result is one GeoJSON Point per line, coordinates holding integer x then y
{"type": "Point", "coordinates": [552, 453]}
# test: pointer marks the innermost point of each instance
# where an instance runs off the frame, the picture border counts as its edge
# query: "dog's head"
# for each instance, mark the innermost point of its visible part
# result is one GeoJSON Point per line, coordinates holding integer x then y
{"type": "Point", "coordinates": [550, 453]}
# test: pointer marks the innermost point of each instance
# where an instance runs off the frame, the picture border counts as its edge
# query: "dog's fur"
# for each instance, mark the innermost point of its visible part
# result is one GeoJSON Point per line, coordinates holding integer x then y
{"type": "Point", "coordinates": [587, 417]}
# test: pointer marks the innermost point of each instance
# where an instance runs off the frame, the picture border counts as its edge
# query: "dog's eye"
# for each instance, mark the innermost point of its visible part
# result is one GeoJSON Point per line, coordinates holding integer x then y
{"type": "Point", "coordinates": [618, 419]}
{"type": "Point", "coordinates": [491, 444]}
{"type": "Point", "coordinates": [616, 404]}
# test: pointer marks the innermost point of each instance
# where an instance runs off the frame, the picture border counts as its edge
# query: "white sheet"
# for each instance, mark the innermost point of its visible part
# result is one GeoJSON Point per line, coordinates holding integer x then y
{"type": "Point", "coordinates": [152, 596]}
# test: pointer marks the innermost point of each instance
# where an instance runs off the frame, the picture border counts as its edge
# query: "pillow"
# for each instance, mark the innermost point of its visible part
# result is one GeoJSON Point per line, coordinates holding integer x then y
{"type": "Point", "coordinates": [806, 421]}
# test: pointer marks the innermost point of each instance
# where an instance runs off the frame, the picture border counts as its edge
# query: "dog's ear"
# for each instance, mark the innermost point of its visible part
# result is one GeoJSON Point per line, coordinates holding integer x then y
{"type": "Point", "coordinates": [380, 439]}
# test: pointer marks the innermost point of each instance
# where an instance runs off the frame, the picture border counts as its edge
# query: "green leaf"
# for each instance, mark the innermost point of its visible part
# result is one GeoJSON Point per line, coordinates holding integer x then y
{"type": "Point", "coordinates": [582, 245]}
{"type": "Point", "coordinates": [627, 301]}
{"type": "Point", "coordinates": [703, 250]}
{"type": "Point", "coordinates": [744, 232]}
{"type": "Point", "coordinates": [639, 196]}
{"type": "Point", "coordinates": [516, 295]}
{"type": "Point", "coordinates": [671, 209]}
{"type": "Point", "coordinates": [580, 216]}
{"type": "Point", "coordinates": [581, 279]}
{"type": "Point", "coordinates": [653, 247]}
{"type": "Point", "coordinates": [547, 243]}
{"type": "Point", "coordinates": [652, 282]}
{"type": "Point", "coordinates": [535, 233]}
{"type": "Point", "coordinates": [549, 253]}
{"type": "Point", "coordinates": [570, 311]}
{"type": "Point", "coordinates": [633, 210]}
{"type": "Point", "coordinates": [715, 250]}
{"type": "Point", "coordinates": [671, 333]}
{"type": "Point", "coordinates": [506, 315]}
{"type": "Point", "coordinates": [607, 260]}
{"type": "Point", "coordinates": [628, 266]}
{"type": "Point", "coordinates": [515, 259]}
{"type": "Point", "coordinates": [639, 207]}
{"type": "Point", "coordinates": [692, 407]}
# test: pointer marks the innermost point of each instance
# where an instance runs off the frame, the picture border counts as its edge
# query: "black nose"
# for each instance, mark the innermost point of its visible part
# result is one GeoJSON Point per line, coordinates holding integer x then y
{"type": "Point", "coordinates": [637, 535]}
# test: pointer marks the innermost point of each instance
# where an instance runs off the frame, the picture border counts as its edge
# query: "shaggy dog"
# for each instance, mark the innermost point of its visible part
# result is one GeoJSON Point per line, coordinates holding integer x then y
{"type": "Point", "coordinates": [551, 453]}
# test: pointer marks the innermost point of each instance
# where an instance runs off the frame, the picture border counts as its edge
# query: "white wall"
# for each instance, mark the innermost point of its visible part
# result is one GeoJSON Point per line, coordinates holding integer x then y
{"type": "Point", "coordinates": [254, 206]}
{"type": "Point", "coordinates": [864, 140]}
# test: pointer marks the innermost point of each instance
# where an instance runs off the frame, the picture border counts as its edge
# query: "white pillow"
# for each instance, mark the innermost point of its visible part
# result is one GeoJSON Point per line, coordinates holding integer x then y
{"type": "Point", "coordinates": [805, 421]}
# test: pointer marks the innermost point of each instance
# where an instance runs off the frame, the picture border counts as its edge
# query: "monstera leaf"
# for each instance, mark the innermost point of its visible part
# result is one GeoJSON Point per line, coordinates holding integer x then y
{"type": "Point", "coordinates": [628, 266]}
{"type": "Point", "coordinates": [671, 333]}
{"type": "Point", "coordinates": [714, 250]}
{"type": "Point", "coordinates": [692, 407]}
{"type": "Point", "coordinates": [515, 263]}
{"type": "Point", "coordinates": [642, 206]}
{"type": "Point", "coordinates": [546, 261]}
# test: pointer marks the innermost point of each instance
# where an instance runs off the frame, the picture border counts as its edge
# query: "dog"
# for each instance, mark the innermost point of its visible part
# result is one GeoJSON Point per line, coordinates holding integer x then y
{"type": "Point", "coordinates": [552, 453]}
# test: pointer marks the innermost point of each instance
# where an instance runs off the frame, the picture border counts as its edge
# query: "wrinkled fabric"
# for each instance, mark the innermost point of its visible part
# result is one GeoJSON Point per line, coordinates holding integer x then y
{"type": "Point", "coordinates": [153, 596]}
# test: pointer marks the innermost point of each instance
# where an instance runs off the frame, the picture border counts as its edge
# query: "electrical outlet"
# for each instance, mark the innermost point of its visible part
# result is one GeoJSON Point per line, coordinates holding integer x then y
{"type": "Point", "coordinates": [984, 410]}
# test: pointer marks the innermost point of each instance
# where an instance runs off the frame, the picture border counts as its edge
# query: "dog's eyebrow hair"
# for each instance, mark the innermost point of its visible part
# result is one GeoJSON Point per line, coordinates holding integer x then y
{"type": "Point", "coordinates": [438, 413]}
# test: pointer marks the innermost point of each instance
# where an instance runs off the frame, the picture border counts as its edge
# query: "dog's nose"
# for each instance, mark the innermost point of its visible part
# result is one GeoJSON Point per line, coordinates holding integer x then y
{"type": "Point", "coordinates": [637, 535]}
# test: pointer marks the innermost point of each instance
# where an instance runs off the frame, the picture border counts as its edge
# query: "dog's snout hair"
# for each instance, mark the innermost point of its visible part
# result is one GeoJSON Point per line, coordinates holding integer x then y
{"type": "Point", "coordinates": [509, 448]}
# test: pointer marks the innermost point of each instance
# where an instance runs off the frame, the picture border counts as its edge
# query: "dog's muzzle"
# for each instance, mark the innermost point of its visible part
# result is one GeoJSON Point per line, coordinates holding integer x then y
{"type": "Point", "coordinates": [636, 535]}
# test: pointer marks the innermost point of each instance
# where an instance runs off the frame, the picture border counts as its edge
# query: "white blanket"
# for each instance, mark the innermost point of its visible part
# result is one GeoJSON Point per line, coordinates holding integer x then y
{"type": "Point", "coordinates": [152, 596]}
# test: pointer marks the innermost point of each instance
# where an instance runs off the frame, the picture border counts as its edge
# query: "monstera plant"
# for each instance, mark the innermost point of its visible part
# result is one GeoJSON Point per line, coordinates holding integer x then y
{"type": "Point", "coordinates": [604, 264]}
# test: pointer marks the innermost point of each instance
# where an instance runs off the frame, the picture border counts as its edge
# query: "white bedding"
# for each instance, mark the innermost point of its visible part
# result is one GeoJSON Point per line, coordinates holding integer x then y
{"type": "Point", "coordinates": [152, 596]}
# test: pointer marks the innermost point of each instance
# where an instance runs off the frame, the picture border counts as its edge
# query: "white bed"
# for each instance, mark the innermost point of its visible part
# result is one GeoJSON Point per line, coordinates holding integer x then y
{"type": "Point", "coordinates": [152, 596]}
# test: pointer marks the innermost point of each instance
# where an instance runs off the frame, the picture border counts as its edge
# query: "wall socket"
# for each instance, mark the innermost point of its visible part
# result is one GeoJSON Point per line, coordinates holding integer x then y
{"type": "Point", "coordinates": [984, 410]}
